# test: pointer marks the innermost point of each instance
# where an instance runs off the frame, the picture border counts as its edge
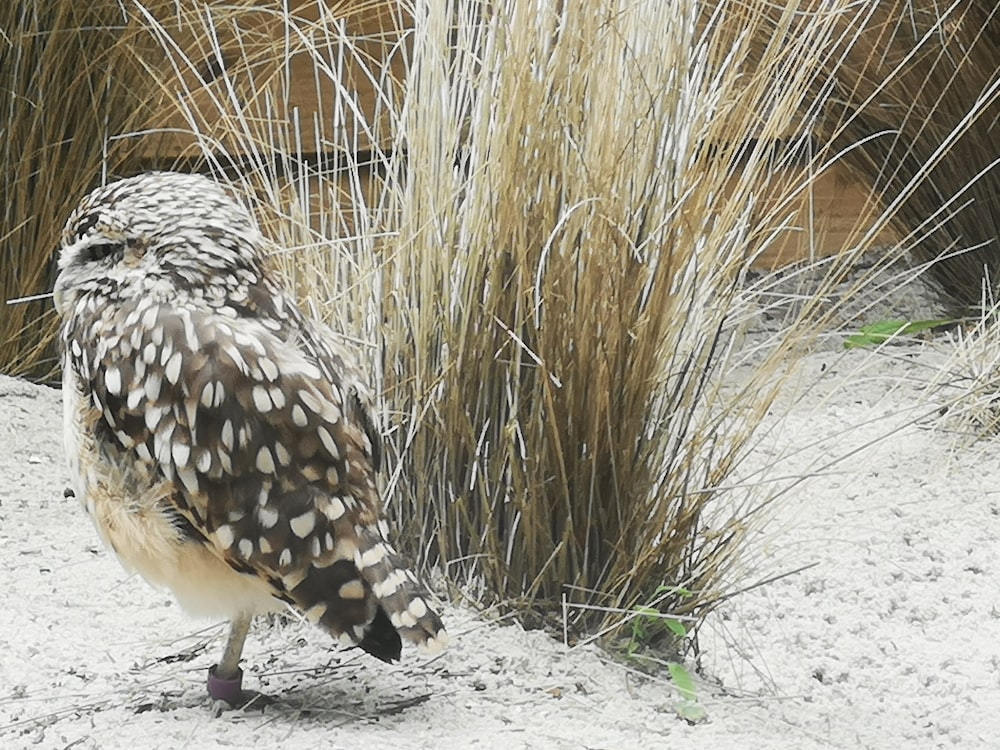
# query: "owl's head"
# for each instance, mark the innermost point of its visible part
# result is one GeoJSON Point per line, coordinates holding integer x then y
{"type": "Point", "coordinates": [159, 234]}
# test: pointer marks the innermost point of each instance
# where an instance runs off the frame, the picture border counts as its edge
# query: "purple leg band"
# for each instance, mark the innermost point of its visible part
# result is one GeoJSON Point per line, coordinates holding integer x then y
{"type": "Point", "coordinates": [230, 690]}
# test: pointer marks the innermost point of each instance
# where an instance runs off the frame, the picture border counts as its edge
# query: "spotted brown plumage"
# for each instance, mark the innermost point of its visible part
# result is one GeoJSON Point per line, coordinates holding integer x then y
{"type": "Point", "coordinates": [220, 440]}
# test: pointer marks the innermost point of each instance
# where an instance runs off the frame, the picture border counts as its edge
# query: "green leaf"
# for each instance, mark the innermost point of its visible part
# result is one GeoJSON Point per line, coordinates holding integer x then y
{"type": "Point", "coordinates": [687, 707]}
{"type": "Point", "coordinates": [683, 681]}
{"type": "Point", "coordinates": [676, 627]}
{"type": "Point", "coordinates": [874, 334]}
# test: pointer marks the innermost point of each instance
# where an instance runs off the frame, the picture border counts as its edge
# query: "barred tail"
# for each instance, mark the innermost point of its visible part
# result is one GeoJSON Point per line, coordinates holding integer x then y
{"type": "Point", "coordinates": [403, 601]}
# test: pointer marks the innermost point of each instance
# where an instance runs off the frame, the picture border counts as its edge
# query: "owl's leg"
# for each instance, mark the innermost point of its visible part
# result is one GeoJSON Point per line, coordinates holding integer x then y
{"type": "Point", "coordinates": [225, 679]}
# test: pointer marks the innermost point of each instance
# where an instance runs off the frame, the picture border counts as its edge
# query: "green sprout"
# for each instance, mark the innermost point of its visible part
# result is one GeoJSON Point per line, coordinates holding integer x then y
{"type": "Point", "coordinates": [650, 623]}
{"type": "Point", "coordinates": [874, 334]}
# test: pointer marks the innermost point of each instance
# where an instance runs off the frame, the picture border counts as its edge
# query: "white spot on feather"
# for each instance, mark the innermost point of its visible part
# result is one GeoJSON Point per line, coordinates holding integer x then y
{"type": "Point", "coordinates": [173, 368]}
{"type": "Point", "coordinates": [309, 371]}
{"type": "Point", "coordinates": [434, 645]}
{"type": "Point", "coordinates": [388, 586]}
{"type": "Point", "coordinates": [303, 525]}
{"type": "Point", "coordinates": [224, 536]}
{"type": "Point", "coordinates": [327, 439]}
{"type": "Point", "coordinates": [370, 557]}
{"type": "Point", "coordinates": [277, 397]}
{"type": "Point", "coordinates": [334, 508]}
{"type": "Point", "coordinates": [237, 358]}
{"type": "Point", "coordinates": [149, 317]}
{"type": "Point", "coordinates": [190, 412]}
{"type": "Point", "coordinates": [315, 613]}
{"type": "Point", "coordinates": [417, 608]}
{"type": "Point", "coordinates": [282, 454]}
{"type": "Point", "coordinates": [261, 400]}
{"type": "Point", "coordinates": [204, 462]}
{"type": "Point", "coordinates": [267, 516]}
{"type": "Point", "coordinates": [181, 453]}
{"type": "Point", "coordinates": [134, 398]}
{"type": "Point", "coordinates": [269, 369]}
{"type": "Point", "coordinates": [152, 385]}
{"type": "Point", "coordinates": [265, 461]}
{"type": "Point", "coordinates": [310, 401]}
{"type": "Point", "coordinates": [346, 549]}
{"type": "Point", "coordinates": [190, 332]}
{"type": "Point", "coordinates": [352, 590]}
{"type": "Point", "coordinates": [113, 381]}
{"type": "Point", "coordinates": [188, 478]}
{"type": "Point", "coordinates": [331, 413]}
{"type": "Point", "coordinates": [152, 417]}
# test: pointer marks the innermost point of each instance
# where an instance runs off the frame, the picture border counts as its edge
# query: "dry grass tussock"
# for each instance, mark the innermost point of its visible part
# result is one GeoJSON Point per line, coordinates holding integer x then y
{"type": "Point", "coordinates": [542, 254]}
{"type": "Point", "coordinates": [966, 388]}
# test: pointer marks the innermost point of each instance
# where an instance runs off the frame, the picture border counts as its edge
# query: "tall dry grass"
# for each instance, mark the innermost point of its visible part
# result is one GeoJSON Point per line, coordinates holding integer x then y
{"type": "Point", "coordinates": [571, 251]}
{"type": "Point", "coordinates": [921, 90]}
{"type": "Point", "coordinates": [538, 245]}
{"type": "Point", "coordinates": [65, 74]}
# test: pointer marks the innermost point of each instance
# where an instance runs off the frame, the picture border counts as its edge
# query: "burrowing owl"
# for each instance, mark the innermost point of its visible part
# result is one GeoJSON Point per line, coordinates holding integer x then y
{"type": "Point", "coordinates": [220, 440]}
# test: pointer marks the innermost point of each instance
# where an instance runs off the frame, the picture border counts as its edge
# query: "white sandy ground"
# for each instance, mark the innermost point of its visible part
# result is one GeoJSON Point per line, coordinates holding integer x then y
{"type": "Point", "coordinates": [891, 640]}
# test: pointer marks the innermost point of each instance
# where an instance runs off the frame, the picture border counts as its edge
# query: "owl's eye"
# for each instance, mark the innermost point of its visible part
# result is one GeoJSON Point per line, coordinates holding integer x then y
{"type": "Point", "coordinates": [101, 250]}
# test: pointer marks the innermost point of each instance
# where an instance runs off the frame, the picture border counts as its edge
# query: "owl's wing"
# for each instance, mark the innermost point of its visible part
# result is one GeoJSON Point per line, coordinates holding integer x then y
{"type": "Point", "coordinates": [270, 459]}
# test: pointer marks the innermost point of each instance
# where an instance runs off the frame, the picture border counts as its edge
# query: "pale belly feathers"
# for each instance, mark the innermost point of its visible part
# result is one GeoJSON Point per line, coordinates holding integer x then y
{"type": "Point", "coordinates": [126, 504]}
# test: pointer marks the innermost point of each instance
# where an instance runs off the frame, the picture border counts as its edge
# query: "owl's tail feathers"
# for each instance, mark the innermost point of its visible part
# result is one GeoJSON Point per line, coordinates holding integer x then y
{"type": "Point", "coordinates": [403, 600]}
